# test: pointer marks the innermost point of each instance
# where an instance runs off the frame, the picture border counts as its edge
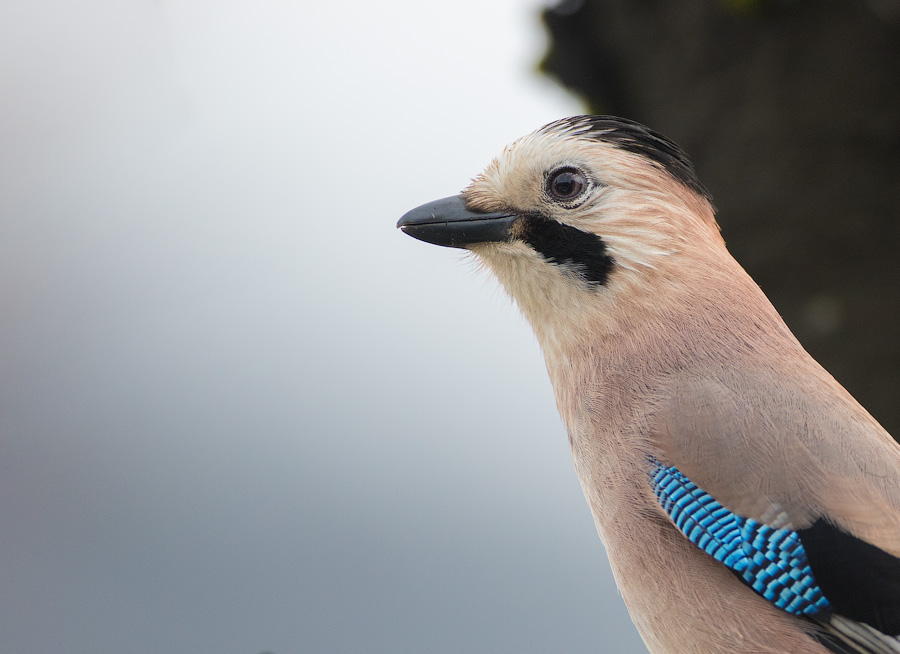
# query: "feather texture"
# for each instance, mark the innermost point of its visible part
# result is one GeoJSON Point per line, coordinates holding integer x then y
{"type": "Point", "coordinates": [771, 561]}
{"type": "Point", "coordinates": [775, 563]}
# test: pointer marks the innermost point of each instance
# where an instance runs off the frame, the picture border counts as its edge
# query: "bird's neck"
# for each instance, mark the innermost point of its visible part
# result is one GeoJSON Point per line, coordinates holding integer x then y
{"type": "Point", "coordinates": [674, 591]}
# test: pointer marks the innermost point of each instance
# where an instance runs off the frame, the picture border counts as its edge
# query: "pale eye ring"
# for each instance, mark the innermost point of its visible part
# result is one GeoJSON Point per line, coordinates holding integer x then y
{"type": "Point", "coordinates": [566, 184]}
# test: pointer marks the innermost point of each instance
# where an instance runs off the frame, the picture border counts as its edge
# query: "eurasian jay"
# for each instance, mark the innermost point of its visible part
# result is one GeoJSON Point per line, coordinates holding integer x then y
{"type": "Point", "coordinates": [746, 501]}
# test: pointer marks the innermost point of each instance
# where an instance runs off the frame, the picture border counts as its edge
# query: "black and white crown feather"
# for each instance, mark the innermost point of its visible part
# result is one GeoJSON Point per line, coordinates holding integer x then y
{"type": "Point", "coordinates": [633, 137]}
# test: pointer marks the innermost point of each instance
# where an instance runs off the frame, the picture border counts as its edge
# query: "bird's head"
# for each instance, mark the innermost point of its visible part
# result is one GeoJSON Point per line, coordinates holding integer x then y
{"type": "Point", "coordinates": [579, 218]}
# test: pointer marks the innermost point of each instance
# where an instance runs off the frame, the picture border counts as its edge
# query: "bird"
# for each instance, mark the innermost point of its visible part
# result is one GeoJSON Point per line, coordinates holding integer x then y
{"type": "Point", "coordinates": [747, 502]}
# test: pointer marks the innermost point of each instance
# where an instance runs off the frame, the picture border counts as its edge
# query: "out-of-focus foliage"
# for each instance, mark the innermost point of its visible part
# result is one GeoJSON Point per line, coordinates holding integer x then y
{"type": "Point", "coordinates": [790, 110]}
{"type": "Point", "coordinates": [742, 5]}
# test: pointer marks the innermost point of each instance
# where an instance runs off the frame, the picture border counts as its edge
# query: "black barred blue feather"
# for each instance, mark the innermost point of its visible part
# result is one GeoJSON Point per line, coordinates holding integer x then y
{"type": "Point", "coordinates": [771, 561]}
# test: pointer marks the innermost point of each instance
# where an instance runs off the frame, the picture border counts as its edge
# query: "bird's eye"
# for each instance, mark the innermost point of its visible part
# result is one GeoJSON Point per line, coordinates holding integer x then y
{"type": "Point", "coordinates": [566, 184]}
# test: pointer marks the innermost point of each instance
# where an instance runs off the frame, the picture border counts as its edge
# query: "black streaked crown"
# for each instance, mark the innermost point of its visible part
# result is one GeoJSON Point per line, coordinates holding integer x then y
{"type": "Point", "coordinates": [636, 138]}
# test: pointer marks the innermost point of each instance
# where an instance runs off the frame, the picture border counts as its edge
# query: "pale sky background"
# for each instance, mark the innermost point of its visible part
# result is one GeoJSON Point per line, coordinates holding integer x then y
{"type": "Point", "coordinates": [241, 412]}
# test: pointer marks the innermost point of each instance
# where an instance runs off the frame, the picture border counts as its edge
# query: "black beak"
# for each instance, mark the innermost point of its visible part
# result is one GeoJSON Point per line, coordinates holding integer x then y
{"type": "Point", "coordinates": [447, 222]}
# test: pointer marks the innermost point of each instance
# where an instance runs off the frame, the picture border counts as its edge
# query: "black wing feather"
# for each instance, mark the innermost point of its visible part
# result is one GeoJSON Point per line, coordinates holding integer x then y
{"type": "Point", "coordinates": [861, 581]}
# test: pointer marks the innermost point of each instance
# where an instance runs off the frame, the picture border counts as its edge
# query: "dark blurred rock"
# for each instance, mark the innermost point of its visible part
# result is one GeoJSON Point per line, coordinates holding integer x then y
{"type": "Point", "coordinates": [791, 113]}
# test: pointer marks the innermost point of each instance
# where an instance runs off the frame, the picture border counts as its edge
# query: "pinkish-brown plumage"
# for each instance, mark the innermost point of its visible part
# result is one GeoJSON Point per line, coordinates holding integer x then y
{"type": "Point", "coordinates": [679, 356]}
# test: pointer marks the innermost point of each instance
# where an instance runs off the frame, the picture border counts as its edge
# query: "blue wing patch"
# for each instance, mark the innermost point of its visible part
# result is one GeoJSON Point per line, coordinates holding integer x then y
{"type": "Point", "coordinates": [771, 561]}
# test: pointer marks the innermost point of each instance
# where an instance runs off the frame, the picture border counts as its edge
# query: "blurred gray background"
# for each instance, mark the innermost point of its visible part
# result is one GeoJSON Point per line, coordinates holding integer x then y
{"type": "Point", "coordinates": [240, 411]}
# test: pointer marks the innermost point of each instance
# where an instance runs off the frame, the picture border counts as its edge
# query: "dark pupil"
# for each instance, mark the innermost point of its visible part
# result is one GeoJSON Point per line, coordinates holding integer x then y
{"type": "Point", "coordinates": [566, 185]}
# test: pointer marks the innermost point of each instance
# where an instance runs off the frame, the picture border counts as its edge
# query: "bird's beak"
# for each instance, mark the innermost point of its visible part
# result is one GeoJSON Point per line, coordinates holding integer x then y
{"type": "Point", "coordinates": [447, 222]}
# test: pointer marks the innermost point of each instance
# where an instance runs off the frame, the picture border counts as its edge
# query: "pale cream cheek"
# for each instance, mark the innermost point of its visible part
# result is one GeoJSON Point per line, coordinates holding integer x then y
{"type": "Point", "coordinates": [555, 302]}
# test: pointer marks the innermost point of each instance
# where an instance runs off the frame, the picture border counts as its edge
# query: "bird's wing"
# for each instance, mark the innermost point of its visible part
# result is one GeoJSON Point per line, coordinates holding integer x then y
{"type": "Point", "coordinates": [792, 485]}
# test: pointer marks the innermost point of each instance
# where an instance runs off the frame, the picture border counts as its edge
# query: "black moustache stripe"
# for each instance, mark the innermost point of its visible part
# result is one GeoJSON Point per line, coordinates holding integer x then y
{"type": "Point", "coordinates": [584, 253]}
